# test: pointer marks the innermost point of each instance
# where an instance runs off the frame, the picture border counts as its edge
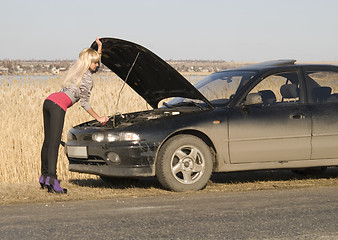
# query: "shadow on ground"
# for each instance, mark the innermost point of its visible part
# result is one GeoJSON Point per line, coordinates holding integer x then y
{"type": "Point", "coordinates": [272, 175]}
{"type": "Point", "coordinates": [216, 178]}
{"type": "Point", "coordinates": [118, 183]}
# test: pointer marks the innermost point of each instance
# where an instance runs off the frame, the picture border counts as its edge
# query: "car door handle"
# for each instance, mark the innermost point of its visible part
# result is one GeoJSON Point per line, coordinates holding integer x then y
{"type": "Point", "coordinates": [297, 116]}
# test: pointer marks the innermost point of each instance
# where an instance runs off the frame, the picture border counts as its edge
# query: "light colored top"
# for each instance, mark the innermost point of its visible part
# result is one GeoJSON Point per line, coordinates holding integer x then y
{"type": "Point", "coordinates": [82, 92]}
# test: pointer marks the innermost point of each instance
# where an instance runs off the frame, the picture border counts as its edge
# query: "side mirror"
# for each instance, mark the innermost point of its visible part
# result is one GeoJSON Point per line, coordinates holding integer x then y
{"type": "Point", "coordinates": [253, 98]}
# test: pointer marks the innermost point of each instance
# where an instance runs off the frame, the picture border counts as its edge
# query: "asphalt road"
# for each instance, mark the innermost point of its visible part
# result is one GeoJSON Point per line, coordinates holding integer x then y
{"type": "Point", "coordinates": [270, 214]}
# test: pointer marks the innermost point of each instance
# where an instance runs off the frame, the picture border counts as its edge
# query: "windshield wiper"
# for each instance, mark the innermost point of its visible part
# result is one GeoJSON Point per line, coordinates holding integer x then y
{"type": "Point", "coordinates": [180, 104]}
{"type": "Point", "coordinates": [167, 105]}
{"type": "Point", "coordinates": [197, 105]}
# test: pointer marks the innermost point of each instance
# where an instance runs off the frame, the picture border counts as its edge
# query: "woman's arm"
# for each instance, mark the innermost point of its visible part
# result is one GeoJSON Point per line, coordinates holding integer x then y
{"type": "Point", "coordinates": [103, 119]}
{"type": "Point", "coordinates": [99, 45]}
{"type": "Point", "coordinates": [85, 91]}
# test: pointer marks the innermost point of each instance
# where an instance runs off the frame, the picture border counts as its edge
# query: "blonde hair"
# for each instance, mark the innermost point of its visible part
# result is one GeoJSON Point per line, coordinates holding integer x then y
{"type": "Point", "coordinates": [76, 72]}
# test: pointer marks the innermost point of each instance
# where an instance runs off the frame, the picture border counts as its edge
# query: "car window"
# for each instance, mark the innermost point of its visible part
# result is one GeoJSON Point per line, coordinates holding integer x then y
{"type": "Point", "coordinates": [281, 88]}
{"type": "Point", "coordinates": [322, 86]}
{"type": "Point", "coordinates": [219, 87]}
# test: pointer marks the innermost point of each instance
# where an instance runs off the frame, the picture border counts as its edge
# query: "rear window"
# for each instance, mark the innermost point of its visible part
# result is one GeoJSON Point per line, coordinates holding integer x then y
{"type": "Point", "coordinates": [322, 86]}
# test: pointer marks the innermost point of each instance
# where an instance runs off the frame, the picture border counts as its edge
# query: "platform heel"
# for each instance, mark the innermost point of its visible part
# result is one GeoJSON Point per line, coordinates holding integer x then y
{"type": "Point", "coordinates": [53, 186]}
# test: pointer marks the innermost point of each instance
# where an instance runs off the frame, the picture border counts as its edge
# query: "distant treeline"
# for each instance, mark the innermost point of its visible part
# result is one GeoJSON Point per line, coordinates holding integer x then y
{"type": "Point", "coordinates": [57, 66]}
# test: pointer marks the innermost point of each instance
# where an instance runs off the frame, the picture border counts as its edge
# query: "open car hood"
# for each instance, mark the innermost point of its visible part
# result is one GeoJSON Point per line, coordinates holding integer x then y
{"type": "Point", "coordinates": [149, 75]}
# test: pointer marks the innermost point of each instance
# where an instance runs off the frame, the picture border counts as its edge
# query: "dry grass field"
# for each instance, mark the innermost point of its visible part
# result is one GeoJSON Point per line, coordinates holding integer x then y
{"type": "Point", "coordinates": [21, 138]}
{"type": "Point", "coordinates": [22, 122]}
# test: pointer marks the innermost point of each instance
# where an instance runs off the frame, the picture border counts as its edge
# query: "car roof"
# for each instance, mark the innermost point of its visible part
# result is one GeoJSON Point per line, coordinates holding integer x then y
{"type": "Point", "coordinates": [267, 64]}
{"type": "Point", "coordinates": [274, 64]}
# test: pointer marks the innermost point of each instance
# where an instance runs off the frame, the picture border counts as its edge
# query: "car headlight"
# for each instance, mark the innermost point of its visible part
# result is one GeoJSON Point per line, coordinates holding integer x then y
{"type": "Point", "coordinates": [70, 136]}
{"type": "Point", "coordinates": [129, 136]}
{"type": "Point", "coordinates": [112, 137]}
{"type": "Point", "coordinates": [98, 137]}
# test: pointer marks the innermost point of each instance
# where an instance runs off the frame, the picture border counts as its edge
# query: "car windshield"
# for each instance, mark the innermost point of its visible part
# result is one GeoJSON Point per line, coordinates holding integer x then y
{"type": "Point", "coordinates": [219, 87]}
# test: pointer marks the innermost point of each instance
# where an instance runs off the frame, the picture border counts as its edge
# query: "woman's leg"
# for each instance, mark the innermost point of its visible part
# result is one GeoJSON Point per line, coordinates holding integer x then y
{"type": "Point", "coordinates": [54, 131]}
{"type": "Point", "coordinates": [46, 125]}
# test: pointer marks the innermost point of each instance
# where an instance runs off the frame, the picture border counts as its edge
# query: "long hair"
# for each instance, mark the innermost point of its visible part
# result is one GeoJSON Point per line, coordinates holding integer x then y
{"type": "Point", "coordinates": [76, 72]}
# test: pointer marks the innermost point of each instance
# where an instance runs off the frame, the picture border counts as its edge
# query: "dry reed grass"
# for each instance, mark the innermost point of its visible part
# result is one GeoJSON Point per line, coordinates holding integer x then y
{"type": "Point", "coordinates": [21, 138]}
{"type": "Point", "coordinates": [22, 122]}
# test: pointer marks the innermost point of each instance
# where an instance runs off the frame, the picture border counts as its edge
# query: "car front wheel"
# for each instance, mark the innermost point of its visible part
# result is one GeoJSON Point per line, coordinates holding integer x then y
{"type": "Point", "coordinates": [184, 164]}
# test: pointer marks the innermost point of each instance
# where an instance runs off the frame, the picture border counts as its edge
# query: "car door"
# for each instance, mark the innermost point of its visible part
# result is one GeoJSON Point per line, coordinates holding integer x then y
{"type": "Point", "coordinates": [272, 124]}
{"type": "Point", "coordinates": [322, 87]}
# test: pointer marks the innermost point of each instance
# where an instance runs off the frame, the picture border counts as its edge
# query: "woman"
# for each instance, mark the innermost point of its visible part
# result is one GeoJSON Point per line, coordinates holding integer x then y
{"type": "Point", "coordinates": [77, 86]}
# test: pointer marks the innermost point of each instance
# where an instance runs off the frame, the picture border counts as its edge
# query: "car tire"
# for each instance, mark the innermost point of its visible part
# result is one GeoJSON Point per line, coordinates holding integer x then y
{"type": "Point", "coordinates": [184, 163]}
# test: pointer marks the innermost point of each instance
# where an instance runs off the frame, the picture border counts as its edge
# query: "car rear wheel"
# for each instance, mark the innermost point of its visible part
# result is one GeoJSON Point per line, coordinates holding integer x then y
{"type": "Point", "coordinates": [184, 164]}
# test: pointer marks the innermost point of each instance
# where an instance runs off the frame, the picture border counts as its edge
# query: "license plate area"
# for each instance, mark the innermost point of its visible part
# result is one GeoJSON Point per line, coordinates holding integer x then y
{"type": "Point", "coordinates": [77, 151]}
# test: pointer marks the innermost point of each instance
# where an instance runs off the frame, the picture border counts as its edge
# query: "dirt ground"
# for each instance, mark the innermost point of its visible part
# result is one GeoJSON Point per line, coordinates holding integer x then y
{"type": "Point", "coordinates": [91, 189]}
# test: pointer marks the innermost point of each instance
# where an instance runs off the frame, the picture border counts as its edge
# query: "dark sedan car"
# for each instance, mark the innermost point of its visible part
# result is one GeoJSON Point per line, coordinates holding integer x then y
{"type": "Point", "coordinates": [271, 115]}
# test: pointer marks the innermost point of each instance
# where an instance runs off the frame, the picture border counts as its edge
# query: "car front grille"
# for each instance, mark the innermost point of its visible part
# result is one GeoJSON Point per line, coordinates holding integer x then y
{"type": "Point", "coordinates": [90, 161]}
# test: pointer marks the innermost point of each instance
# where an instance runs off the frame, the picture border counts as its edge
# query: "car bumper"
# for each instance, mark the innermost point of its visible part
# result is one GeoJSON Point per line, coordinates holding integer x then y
{"type": "Point", "coordinates": [106, 170]}
{"type": "Point", "coordinates": [130, 159]}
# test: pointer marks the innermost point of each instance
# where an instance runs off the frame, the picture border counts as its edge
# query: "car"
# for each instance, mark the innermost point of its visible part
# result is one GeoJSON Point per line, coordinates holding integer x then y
{"type": "Point", "coordinates": [271, 115]}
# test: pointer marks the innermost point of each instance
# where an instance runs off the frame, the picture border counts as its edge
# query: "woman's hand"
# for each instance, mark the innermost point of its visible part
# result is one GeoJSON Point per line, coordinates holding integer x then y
{"type": "Point", "coordinates": [99, 45]}
{"type": "Point", "coordinates": [103, 119]}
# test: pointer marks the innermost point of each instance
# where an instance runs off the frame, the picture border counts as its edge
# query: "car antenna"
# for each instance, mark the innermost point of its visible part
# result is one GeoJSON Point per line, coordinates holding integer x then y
{"type": "Point", "coordinates": [124, 83]}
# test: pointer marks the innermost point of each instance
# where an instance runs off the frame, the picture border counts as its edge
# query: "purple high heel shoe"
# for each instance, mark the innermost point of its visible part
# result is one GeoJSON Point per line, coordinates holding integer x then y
{"type": "Point", "coordinates": [53, 186]}
{"type": "Point", "coordinates": [42, 181]}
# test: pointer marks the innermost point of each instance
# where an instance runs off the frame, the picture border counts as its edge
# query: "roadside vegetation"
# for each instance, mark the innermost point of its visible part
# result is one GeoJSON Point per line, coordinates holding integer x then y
{"type": "Point", "coordinates": [22, 121]}
{"type": "Point", "coordinates": [21, 100]}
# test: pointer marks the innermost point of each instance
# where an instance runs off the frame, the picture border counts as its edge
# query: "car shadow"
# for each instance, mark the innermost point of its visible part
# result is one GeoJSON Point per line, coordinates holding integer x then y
{"type": "Point", "coordinates": [270, 175]}
{"type": "Point", "coordinates": [225, 178]}
{"type": "Point", "coordinates": [119, 183]}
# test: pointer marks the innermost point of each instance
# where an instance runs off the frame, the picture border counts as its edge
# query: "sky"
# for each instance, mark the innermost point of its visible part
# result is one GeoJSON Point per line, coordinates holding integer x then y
{"type": "Point", "coordinates": [229, 30]}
